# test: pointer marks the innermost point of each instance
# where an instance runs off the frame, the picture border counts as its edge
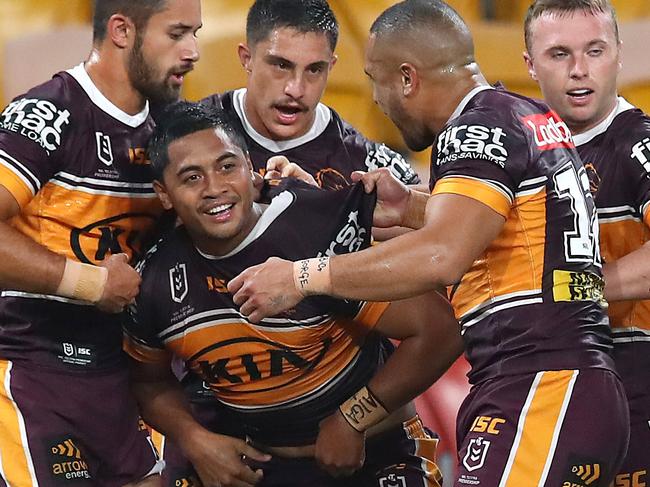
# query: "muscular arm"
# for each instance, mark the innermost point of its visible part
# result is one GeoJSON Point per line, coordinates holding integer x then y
{"type": "Point", "coordinates": [456, 230]}
{"type": "Point", "coordinates": [216, 458]}
{"type": "Point", "coordinates": [25, 265]}
{"type": "Point", "coordinates": [430, 343]}
{"type": "Point", "coordinates": [629, 276]}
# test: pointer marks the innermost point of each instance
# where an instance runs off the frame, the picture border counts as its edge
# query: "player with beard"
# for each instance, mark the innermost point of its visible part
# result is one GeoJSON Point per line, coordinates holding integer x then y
{"type": "Point", "coordinates": [281, 381]}
{"type": "Point", "coordinates": [573, 51]}
{"type": "Point", "coordinates": [76, 201]}
{"type": "Point", "coordinates": [511, 228]}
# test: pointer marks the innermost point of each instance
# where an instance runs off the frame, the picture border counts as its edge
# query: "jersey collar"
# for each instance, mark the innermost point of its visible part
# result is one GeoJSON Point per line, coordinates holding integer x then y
{"type": "Point", "coordinates": [81, 76]}
{"type": "Point", "coordinates": [323, 117]}
{"type": "Point", "coordinates": [622, 105]}
{"type": "Point", "coordinates": [467, 98]}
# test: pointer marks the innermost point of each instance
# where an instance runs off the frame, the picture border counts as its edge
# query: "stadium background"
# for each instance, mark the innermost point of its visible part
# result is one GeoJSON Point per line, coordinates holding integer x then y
{"type": "Point", "coordinates": [40, 37]}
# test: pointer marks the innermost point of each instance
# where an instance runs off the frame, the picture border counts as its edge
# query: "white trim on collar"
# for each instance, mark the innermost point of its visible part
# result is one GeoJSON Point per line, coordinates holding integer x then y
{"type": "Point", "coordinates": [463, 103]}
{"type": "Point", "coordinates": [278, 205]}
{"type": "Point", "coordinates": [622, 105]}
{"type": "Point", "coordinates": [323, 117]}
{"type": "Point", "coordinates": [79, 73]}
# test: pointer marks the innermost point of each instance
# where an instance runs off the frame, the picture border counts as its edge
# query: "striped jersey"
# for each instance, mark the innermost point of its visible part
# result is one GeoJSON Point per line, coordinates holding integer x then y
{"type": "Point", "coordinates": [616, 154]}
{"type": "Point", "coordinates": [330, 151]}
{"type": "Point", "coordinates": [533, 300]}
{"type": "Point", "coordinates": [76, 164]}
{"type": "Point", "coordinates": [280, 377]}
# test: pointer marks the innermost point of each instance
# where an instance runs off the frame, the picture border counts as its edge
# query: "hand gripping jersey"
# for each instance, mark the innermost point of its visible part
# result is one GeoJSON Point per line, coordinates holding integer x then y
{"type": "Point", "coordinates": [280, 377]}
{"type": "Point", "coordinates": [330, 151]}
{"type": "Point", "coordinates": [77, 166]}
{"type": "Point", "coordinates": [532, 301]}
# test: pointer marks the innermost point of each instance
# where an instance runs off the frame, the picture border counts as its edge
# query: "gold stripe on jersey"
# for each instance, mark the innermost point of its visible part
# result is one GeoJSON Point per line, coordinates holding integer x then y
{"type": "Point", "coordinates": [539, 428]}
{"type": "Point", "coordinates": [18, 189]}
{"type": "Point", "coordinates": [17, 468]}
{"type": "Point", "coordinates": [60, 218]}
{"type": "Point", "coordinates": [142, 353]}
{"type": "Point", "coordinates": [425, 448]}
{"type": "Point", "coordinates": [619, 237]}
{"type": "Point", "coordinates": [477, 190]}
{"type": "Point", "coordinates": [250, 365]}
{"type": "Point", "coordinates": [509, 272]}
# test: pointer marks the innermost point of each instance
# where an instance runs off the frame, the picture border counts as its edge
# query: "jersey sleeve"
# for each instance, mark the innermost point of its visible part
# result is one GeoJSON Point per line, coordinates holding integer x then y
{"type": "Point", "coordinates": [370, 155]}
{"type": "Point", "coordinates": [33, 129]}
{"type": "Point", "coordinates": [482, 157]}
{"type": "Point", "coordinates": [142, 321]}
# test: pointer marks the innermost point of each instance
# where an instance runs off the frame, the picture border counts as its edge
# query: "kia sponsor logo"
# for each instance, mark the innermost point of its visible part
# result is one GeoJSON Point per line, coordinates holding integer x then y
{"type": "Point", "coordinates": [549, 131]}
{"type": "Point", "coordinates": [39, 120]}
{"type": "Point", "coordinates": [472, 142]}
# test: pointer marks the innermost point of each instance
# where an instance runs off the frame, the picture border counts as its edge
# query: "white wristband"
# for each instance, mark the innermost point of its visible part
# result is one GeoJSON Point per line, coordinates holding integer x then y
{"type": "Point", "coordinates": [312, 276]}
{"type": "Point", "coordinates": [82, 281]}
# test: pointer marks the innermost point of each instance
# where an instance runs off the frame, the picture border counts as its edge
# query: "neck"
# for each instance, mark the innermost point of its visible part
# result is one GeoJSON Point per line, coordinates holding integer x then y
{"type": "Point", "coordinates": [458, 84]}
{"type": "Point", "coordinates": [107, 70]}
{"type": "Point", "coordinates": [577, 128]}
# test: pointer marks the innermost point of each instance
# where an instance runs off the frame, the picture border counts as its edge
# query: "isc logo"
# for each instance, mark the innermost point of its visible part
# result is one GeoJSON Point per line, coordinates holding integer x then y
{"type": "Point", "coordinates": [549, 131]}
{"type": "Point", "coordinates": [486, 424]}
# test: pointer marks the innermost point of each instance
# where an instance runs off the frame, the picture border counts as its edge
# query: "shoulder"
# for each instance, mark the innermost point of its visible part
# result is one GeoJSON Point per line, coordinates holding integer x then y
{"type": "Point", "coordinates": [163, 255]}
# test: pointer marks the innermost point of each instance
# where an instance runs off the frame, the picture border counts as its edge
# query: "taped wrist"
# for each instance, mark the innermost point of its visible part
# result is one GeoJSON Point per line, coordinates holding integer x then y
{"type": "Point", "coordinates": [414, 216]}
{"type": "Point", "coordinates": [82, 281]}
{"type": "Point", "coordinates": [312, 276]}
{"type": "Point", "coordinates": [363, 410]}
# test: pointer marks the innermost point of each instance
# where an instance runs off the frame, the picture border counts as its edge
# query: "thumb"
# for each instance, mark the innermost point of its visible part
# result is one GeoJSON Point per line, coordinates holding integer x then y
{"type": "Point", "coordinates": [122, 257]}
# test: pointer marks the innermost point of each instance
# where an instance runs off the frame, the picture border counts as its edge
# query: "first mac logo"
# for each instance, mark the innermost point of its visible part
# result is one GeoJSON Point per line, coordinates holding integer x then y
{"type": "Point", "coordinates": [38, 120]}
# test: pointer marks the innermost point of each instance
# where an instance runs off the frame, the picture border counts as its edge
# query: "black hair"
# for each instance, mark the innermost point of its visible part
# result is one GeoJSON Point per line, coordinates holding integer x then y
{"type": "Point", "coordinates": [184, 118]}
{"type": "Point", "coordinates": [265, 16]}
{"type": "Point", "coordinates": [139, 11]}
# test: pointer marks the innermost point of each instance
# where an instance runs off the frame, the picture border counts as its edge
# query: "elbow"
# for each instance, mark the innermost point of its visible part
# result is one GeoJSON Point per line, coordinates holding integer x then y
{"type": "Point", "coordinates": [447, 268]}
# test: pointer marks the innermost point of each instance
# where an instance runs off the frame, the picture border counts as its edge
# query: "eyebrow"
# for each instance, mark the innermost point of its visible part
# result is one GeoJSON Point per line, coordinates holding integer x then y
{"type": "Point", "coordinates": [182, 26]}
{"type": "Point", "coordinates": [591, 43]}
{"type": "Point", "coordinates": [196, 167]}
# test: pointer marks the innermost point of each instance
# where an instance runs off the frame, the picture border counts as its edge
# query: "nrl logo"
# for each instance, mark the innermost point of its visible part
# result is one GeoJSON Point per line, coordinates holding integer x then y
{"type": "Point", "coordinates": [104, 148]}
{"type": "Point", "coordinates": [476, 453]}
{"type": "Point", "coordinates": [178, 282]}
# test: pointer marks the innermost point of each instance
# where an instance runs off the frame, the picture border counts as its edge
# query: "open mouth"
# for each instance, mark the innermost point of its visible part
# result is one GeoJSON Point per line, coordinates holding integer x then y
{"type": "Point", "coordinates": [581, 93]}
{"type": "Point", "coordinates": [287, 113]}
{"type": "Point", "coordinates": [221, 210]}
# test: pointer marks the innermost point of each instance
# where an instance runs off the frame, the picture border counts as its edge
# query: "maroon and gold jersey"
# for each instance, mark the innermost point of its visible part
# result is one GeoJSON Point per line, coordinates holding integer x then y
{"type": "Point", "coordinates": [330, 151]}
{"type": "Point", "coordinates": [533, 300]}
{"type": "Point", "coordinates": [616, 154]}
{"type": "Point", "coordinates": [76, 165]}
{"type": "Point", "coordinates": [279, 377]}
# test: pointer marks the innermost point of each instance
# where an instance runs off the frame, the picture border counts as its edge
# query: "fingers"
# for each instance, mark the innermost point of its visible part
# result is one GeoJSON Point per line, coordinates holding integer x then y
{"type": "Point", "coordinates": [277, 163]}
{"type": "Point", "coordinates": [254, 454]}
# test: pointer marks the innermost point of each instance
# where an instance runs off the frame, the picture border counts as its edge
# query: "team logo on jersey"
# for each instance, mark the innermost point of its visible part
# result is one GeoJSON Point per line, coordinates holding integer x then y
{"type": "Point", "coordinates": [476, 453]}
{"type": "Point", "coordinates": [349, 239]}
{"type": "Point", "coordinates": [641, 152]}
{"type": "Point", "coordinates": [549, 131]}
{"type": "Point", "coordinates": [38, 120]}
{"type": "Point", "coordinates": [594, 178]}
{"type": "Point", "coordinates": [330, 178]}
{"type": "Point", "coordinates": [392, 480]}
{"type": "Point", "coordinates": [178, 282]}
{"type": "Point", "coordinates": [472, 142]}
{"type": "Point", "coordinates": [104, 148]}
{"type": "Point", "coordinates": [67, 461]}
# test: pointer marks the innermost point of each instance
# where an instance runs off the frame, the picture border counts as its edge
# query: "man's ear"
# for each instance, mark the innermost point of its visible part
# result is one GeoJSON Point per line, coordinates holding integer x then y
{"type": "Point", "coordinates": [410, 79]}
{"type": "Point", "coordinates": [245, 56]}
{"type": "Point", "coordinates": [120, 30]}
{"type": "Point", "coordinates": [160, 190]}
{"type": "Point", "coordinates": [530, 66]}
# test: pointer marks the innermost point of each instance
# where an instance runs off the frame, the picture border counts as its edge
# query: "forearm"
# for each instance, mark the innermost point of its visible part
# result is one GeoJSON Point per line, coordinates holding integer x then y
{"type": "Point", "coordinates": [26, 265]}
{"type": "Point", "coordinates": [628, 277]}
{"type": "Point", "coordinates": [412, 264]}
{"type": "Point", "coordinates": [412, 369]}
{"type": "Point", "coordinates": [163, 406]}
